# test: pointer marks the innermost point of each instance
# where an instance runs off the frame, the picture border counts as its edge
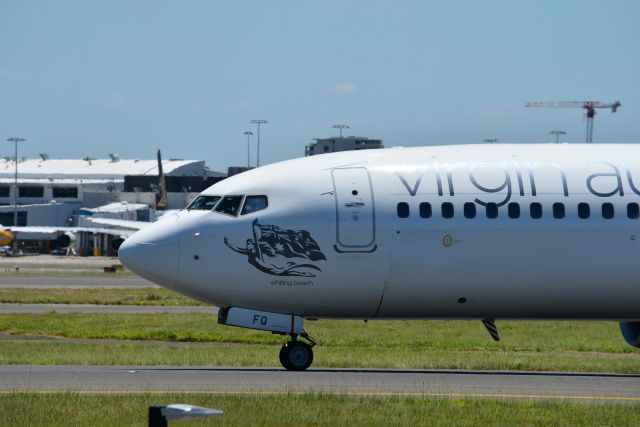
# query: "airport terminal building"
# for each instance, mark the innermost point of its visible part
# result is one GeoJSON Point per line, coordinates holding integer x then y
{"type": "Point", "coordinates": [55, 194]}
{"type": "Point", "coordinates": [341, 143]}
{"type": "Point", "coordinates": [69, 184]}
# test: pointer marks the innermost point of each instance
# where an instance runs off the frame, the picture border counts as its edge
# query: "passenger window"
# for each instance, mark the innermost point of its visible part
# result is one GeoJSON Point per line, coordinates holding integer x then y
{"type": "Point", "coordinates": [254, 204]}
{"type": "Point", "coordinates": [583, 210]}
{"type": "Point", "coordinates": [558, 210]}
{"type": "Point", "coordinates": [607, 210]}
{"type": "Point", "coordinates": [513, 210]}
{"type": "Point", "coordinates": [633, 211]}
{"type": "Point", "coordinates": [425, 210]}
{"type": "Point", "coordinates": [492, 210]}
{"type": "Point", "coordinates": [447, 210]}
{"type": "Point", "coordinates": [205, 203]}
{"type": "Point", "coordinates": [403, 209]}
{"type": "Point", "coordinates": [229, 205]}
{"type": "Point", "coordinates": [469, 210]}
{"type": "Point", "coordinates": [535, 210]}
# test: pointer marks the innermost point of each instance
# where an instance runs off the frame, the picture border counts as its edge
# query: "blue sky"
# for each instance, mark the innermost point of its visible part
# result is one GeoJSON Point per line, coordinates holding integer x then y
{"type": "Point", "coordinates": [86, 78]}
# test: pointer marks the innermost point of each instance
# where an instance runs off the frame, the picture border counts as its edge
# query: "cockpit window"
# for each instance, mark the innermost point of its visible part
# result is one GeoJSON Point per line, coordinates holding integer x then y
{"type": "Point", "coordinates": [229, 205]}
{"type": "Point", "coordinates": [205, 203]}
{"type": "Point", "coordinates": [254, 203]}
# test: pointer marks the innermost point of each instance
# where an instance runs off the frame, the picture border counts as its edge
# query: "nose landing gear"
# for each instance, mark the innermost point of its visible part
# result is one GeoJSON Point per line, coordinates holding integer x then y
{"type": "Point", "coordinates": [297, 355]}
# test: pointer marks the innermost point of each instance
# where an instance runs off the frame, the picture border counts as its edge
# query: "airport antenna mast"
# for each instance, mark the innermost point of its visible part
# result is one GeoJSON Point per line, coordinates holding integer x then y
{"type": "Point", "coordinates": [590, 106]}
{"type": "Point", "coordinates": [341, 127]}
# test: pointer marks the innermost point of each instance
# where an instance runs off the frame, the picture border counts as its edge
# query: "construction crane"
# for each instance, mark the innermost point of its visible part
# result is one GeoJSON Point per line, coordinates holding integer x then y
{"type": "Point", "coordinates": [590, 106]}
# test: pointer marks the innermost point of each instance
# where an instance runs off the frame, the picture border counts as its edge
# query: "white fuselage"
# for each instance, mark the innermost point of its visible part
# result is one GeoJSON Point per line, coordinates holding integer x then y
{"type": "Point", "coordinates": [390, 234]}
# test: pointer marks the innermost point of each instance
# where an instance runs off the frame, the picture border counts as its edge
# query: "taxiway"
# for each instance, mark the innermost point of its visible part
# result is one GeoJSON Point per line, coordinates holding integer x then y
{"type": "Point", "coordinates": [370, 382]}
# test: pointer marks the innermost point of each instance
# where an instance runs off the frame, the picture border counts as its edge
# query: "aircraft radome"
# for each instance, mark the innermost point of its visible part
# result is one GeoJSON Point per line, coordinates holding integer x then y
{"type": "Point", "coordinates": [540, 231]}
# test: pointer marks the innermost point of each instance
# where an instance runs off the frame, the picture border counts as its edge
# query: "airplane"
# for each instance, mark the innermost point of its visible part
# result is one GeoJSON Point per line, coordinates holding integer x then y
{"type": "Point", "coordinates": [64, 237]}
{"type": "Point", "coordinates": [509, 231]}
{"type": "Point", "coordinates": [6, 239]}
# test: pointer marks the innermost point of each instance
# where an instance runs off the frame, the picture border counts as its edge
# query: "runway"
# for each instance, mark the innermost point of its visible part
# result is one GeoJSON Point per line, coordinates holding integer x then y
{"type": "Point", "coordinates": [50, 262]}
{"type": "Point", "coordinates": [74, 282]}
{"type": "Point", "coordinates": [357, 382]}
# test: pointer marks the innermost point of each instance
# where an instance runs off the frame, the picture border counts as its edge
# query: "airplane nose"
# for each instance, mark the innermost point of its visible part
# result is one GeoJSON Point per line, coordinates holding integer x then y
{"type": "Point", "coordinates": [153, 252]}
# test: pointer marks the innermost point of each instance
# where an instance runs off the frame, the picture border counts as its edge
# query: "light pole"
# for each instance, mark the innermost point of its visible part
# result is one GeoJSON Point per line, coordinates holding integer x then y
{"type": "Point", "coordinates": [557, 133]}
{"type": "Point", "coordinates": [15, 140]}
{"type": "Point", "coordinates": [248, 147]}
{"type": "Point", "coordinates": [258, 122]}
{"type": "Point", "coordinates": [341, 127]}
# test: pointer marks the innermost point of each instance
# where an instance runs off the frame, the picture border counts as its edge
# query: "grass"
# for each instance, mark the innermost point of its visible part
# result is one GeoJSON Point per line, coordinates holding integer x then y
{"type": "Point", "coordinates": [196, 339]}
{"type": "Point", "coordinates": [150, 353]}
{"type": "Point", "coordinates": [104, 296]}
{"type": "Point", "coordinates": [402, 335]}
{"type": "Point", "coordinates": [305, 409]}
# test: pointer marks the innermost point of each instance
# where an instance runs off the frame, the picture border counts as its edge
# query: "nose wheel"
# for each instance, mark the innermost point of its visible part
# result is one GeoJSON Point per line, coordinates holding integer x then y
{"type": "Point", "coordinates": [297, 355]}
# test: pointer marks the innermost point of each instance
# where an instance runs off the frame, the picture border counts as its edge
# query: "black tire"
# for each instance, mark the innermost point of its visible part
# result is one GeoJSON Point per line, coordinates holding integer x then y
{"type": "Point", "coordinates": [284, 356]}
{"type": "Point", "coordinates": [296, 356]}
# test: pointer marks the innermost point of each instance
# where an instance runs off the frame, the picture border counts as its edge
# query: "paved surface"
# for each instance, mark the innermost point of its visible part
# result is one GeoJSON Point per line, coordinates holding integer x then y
{"type": "Point", "coordinates": [57, 262]}
{"type": "Point", "coordinates": [93, 308]}
{"type": "Point", "coordinates": [480, 384]}
{"type": "Point", "coordinates": [74, 282]}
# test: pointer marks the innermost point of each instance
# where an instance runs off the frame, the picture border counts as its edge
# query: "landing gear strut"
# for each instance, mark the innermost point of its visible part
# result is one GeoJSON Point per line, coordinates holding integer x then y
{"type": "Point", "coordinates": [297, 355]}
{"type": "Point", "coordinates": [294, 355]}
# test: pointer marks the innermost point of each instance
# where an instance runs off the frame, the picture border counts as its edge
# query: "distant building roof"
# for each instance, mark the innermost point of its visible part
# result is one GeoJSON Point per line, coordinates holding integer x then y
{"type": "Point", "coordinates": [32, 205]}
{"type": "Point", "coordinates": [60, 181]}
{"type": "Point", "coordinates": [98, 168]}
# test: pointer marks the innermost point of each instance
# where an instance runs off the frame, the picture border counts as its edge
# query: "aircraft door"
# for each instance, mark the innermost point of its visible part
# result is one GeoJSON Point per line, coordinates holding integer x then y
{"type": "Point", "coordinates": [355, 210]}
